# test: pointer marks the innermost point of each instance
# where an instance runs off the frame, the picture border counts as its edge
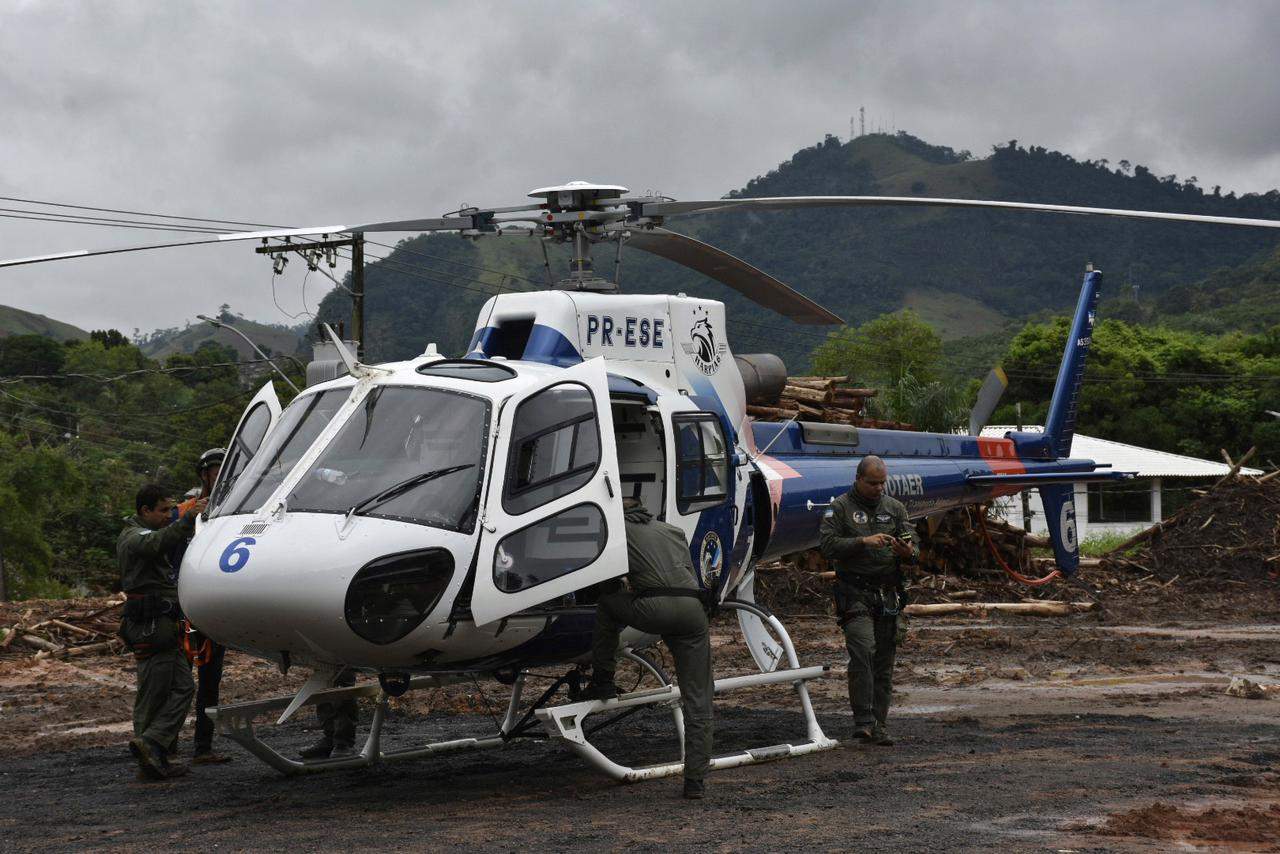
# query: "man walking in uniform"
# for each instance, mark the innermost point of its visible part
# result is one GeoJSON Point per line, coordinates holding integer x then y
{"type": "Point", "coordinates": [151, 630]}
{"type": "Point", "coordinates": [865, 534]}
{"type": "Point", "coordinates": [665, 600]}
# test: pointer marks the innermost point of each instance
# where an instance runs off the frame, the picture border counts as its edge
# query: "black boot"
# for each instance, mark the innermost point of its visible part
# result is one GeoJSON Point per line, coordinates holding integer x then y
{"type": "Point", "coordinates": [599, 689]}
{"type": "Point", "coordinates": [695, 790]}
{"type": "Point", "coordinates": [320, 750]}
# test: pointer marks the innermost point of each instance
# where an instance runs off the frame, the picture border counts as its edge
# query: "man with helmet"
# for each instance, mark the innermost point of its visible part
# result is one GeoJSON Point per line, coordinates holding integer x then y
{"type": "Point", "coordinates": [205, 653]}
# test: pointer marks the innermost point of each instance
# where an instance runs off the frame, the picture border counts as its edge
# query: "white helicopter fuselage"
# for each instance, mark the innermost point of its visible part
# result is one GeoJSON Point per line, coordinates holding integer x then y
{"type": "Point", "coordinates": [566, 403]}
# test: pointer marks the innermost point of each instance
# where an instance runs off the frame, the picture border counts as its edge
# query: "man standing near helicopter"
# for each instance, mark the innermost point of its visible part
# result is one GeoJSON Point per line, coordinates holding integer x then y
{"type": "Point", "coordinates": [865, 533]}
{"type": "Point", "coordinates": [665, 600]}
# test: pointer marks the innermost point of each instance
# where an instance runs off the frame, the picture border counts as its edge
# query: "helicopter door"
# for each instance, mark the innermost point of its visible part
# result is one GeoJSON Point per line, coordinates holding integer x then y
{"type": "Point", "coordinates": [552, 522]}
{"type": "Point", "coordinates": [259, 417]}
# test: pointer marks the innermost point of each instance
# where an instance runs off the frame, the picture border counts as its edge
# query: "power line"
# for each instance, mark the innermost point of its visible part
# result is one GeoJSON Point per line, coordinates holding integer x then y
{"type": "Point", "coordinates": [177, 369]}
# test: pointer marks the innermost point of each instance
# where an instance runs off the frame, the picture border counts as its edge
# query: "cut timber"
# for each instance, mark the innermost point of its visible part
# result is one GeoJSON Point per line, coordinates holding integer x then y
{"type": "Point", "coordinates": [40, 643]}
{"type": "Point", "coordinates": [1028, 609]}
{"type": "Point", "coordinates": [808, 395]}
{"type": "Point", "coordinates": [1235, 467]}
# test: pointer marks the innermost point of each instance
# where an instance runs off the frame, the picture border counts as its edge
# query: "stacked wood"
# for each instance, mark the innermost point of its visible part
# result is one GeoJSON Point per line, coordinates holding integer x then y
{"type": "Point", "coordinates": [77, 630]}
{"type": "Point", "coordinates": [954, 543]}
{"type": "Point", "coordinates": [825, 400]}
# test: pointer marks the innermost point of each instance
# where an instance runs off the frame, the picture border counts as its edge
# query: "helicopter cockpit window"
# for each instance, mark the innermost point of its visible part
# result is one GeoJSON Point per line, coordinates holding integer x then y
{"type": "Point", "coordinates": [407, 453]}
{"type": "Point", "coordinates": [702, 462]}
{"type": "Point", "coordinates": [482, 372]}
{"type": "Point", "coordinates": [299, 425]}
{"type": "Point", "coordinates": [242, 449]}
{"type": "Point", "coordinates": [555, 447]}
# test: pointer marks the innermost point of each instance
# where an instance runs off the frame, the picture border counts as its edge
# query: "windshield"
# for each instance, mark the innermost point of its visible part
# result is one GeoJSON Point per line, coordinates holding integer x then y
{"type": "Point", "coordinates": [299, 425]}
{"type": "Point", "coordinates": [427, 443]}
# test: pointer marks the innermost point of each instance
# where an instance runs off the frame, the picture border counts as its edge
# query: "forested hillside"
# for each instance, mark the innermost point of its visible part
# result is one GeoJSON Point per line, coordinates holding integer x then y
{"type": "Point", "coordinates": [971, 269]}
{"type": "Point", "coordinates": [82, 426]}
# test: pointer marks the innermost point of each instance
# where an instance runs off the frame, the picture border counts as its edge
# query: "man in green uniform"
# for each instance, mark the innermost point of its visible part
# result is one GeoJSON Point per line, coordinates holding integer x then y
{"type": "Point", "coordinates": [151, 628]}
{"type": "Point", "coordinates": [664, 600]}
{"type": "Point", "coordinates": [865, 533]}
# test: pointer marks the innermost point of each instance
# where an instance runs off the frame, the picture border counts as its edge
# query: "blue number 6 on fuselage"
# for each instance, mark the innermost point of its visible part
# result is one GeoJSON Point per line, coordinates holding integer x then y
{"type": "Point", "coordinates": [235, 555]}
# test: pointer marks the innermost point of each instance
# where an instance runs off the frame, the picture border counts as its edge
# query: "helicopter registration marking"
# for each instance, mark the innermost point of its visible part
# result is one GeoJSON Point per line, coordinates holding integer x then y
{"type": "Point", "coordinates": [236, 554]}
{"type": "Point", "coordinates": [631, 331]}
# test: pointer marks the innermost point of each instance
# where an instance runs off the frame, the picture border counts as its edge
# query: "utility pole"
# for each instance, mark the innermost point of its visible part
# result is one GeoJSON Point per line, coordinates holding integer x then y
{"type": "Point", "coordinates": [328, 248]}
{"type": "Point", "coordinates": [1026, 499]}
{"type": "Point", "coordinates": [862, 121]}
{"type": "Point", "coordinates": [357, 291]}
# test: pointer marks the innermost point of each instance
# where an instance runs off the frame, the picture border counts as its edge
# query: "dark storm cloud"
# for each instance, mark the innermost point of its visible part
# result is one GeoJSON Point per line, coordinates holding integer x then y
{"type": "Point", "coordinates": [317, 112]}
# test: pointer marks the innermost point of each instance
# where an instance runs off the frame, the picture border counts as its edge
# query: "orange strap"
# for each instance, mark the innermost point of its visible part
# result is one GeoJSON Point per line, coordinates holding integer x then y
{"type": "Point", "coordinates": [197, 647]}
{"type": "Point", "coordinates": [1016, 576]}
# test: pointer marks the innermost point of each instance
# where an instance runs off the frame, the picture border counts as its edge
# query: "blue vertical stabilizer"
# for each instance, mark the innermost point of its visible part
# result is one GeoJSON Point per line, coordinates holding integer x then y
{"type": "Point", "coordinates": [1060, 426]}
{"type": "Point", "coordinates": [1060, 516]}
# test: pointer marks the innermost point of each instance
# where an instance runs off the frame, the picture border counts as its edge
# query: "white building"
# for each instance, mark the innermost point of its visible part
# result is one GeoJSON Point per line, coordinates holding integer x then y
{"type": "Point", "coordinates": [1163, 483]}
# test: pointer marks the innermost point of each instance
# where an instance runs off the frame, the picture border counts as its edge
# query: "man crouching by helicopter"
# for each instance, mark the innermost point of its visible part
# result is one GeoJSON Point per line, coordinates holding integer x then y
{"type": "Point", "coordinates": [865, 533]}
{"type": "Point", "coordinates": [665, 600]}
{"type": "Point", "coordinates": [151, 630]}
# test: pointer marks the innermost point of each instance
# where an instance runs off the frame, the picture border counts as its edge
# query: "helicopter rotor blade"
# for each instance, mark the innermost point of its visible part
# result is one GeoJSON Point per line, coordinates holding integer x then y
{"type": "Point", "coordinates": [221, 238]}
{"type": "Point", "coordinates": [753, 283]}
{"type": "Point", "coordinates": [669, 208]}
{"type": "Point", "coordinates": [453, 223]}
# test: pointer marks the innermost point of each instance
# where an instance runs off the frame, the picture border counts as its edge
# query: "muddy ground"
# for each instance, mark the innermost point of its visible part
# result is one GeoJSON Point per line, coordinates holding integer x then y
{"type": "Point", "coordinates": [1031, 734]}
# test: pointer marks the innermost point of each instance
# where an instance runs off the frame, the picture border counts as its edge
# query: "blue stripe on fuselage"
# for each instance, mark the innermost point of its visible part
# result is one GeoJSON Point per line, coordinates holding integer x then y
{"type": "Point", "coordinates": [545, 345]}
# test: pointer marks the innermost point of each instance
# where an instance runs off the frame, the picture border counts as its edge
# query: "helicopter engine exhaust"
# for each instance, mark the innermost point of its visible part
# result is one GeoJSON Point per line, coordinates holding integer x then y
{"type": "Point", "coordinates": [764, 375]}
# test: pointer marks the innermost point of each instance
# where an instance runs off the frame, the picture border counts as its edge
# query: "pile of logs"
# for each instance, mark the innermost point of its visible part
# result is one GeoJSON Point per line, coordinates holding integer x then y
{"type": "Point", "coordinates": [953, 542]}
{"type": "Point", "coordinates": [824, 400]}
{"type": "Point", "coordinates": [75, 631]}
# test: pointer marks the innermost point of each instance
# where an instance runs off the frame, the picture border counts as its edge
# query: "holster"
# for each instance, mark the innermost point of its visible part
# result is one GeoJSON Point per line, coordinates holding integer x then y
{"type": "Point", "coordinates": [853, 600]}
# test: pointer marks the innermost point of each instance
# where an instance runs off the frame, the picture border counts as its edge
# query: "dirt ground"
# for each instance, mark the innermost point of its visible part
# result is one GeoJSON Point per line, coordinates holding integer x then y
{"type": "Point", "coordinates": [1071, 734]}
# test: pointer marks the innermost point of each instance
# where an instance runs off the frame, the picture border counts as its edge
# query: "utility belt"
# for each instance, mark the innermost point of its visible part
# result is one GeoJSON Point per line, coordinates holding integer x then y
{"type": "Point", "coordinates": [145, 607]}
{"type": "Point", "coordinates": [707, 598]}
{"type": "Point", "coordinates": [150, 624]}
{"type": "Point", "coordinates": [855, 597]}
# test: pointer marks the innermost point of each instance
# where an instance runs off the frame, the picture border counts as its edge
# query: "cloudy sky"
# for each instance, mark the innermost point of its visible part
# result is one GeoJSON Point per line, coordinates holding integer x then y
{"type": "Point", "coordinates": [316, 112]}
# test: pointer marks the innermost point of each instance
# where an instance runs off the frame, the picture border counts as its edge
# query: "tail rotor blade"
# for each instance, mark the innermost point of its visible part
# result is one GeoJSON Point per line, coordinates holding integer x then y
{"type": "Point", "coordinates": [988, 398]}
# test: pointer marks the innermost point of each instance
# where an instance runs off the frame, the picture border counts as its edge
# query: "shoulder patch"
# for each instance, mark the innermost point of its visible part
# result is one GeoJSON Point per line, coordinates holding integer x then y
{"type": "Point", "coordinates": [860, 516]}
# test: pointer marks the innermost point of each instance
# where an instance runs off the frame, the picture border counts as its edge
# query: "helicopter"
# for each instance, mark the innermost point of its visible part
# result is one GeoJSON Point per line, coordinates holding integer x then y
{"type": "Point", "coordinates": [435, 520]}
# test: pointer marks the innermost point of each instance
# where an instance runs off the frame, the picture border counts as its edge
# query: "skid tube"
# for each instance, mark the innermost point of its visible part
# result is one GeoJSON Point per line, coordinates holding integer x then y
{"type": "Point", "coordinates": [235, 721]}
{"type": "Point", "coordinates": [566, 723]}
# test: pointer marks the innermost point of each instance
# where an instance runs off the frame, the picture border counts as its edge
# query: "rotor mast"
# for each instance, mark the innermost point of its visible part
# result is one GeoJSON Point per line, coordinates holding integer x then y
{"type": "Point", "coordinates": [584, 199]}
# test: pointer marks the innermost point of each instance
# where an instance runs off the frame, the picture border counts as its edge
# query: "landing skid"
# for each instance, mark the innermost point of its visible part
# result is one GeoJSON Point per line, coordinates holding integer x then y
{"type": "Point", "coordinates": [565, 723]}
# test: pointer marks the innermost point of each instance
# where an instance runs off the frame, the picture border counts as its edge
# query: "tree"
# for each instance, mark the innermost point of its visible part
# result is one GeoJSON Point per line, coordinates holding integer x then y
{"type": "Point", "coordinates": [108, 338]}
{"type": "Point", "coordinates": [30, 355]}
{"type": "Point", "coordinates": [883, 351]}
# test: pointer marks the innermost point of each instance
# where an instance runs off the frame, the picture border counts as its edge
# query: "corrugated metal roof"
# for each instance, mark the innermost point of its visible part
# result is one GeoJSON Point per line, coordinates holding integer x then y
{"type": "Point", "coordinates": [1145, 461]}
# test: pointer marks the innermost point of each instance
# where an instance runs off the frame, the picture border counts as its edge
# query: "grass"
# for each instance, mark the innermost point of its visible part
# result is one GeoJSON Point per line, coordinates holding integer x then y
{"type": "Point", "coordinates": [1102, 544]}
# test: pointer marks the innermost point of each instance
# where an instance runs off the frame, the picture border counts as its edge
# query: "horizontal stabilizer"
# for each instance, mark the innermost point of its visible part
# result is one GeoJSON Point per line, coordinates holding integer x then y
{"type": "Point", "coordinates": [1033, 479]}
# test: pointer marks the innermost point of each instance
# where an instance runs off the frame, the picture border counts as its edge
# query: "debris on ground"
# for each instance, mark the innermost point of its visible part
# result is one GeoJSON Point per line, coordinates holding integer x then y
{"type": "Point", "coordinates": [1247, 689]}
{"type": "Point", "coordinates": [1230, 534]}
{"type": "Point", "coordinates": [62, 628]}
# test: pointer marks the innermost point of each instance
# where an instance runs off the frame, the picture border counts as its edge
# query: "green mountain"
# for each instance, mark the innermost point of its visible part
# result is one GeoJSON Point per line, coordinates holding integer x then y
{"type": "Point", "coordinates": [968, 271]}
{"type": "Point", "coordinates": [15, 321]}
{"type": "Point", "coordinates": [273, 340]}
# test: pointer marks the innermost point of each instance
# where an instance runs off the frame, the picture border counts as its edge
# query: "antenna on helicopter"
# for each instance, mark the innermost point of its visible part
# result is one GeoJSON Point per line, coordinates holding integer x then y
{"type": "Point", "coordinates": [349, 361]}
